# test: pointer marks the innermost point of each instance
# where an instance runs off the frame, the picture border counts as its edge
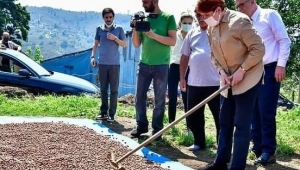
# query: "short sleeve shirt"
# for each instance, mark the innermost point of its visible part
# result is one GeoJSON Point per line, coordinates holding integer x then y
{"type": "Point", "coordinates": [154, 52]}
{"type": "Point", "coordinates": [202, 72]}
{"type": "Point", "coordinates": [109, 50]}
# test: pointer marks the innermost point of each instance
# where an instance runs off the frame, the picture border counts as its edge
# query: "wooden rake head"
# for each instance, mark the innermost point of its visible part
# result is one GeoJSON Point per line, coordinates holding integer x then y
{"type": "Point", "coordinates": [112, 161]}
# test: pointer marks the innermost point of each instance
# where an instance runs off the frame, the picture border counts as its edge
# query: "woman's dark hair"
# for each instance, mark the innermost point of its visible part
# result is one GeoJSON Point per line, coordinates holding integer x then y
{"type": "Point", "coordinates": [206, 6]}
{"type": "Point", "coordinates": [108, 10]}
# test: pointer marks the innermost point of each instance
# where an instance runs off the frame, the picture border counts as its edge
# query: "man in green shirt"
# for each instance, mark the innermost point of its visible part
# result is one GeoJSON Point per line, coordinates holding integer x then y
{"type": "Point", "coordinates": [154, 65]}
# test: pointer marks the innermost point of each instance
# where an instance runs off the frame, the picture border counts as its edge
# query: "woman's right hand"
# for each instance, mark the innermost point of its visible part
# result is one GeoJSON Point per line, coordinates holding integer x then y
{"type": "Point", "coordinates": [225, 79]}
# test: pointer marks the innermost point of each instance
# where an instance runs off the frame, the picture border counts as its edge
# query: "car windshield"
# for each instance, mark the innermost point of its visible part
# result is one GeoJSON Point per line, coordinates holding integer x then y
{"type": "Point", "coordinates": [34, 65]}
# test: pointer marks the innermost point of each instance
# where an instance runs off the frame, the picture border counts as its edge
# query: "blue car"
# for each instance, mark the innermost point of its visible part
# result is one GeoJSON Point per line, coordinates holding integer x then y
{"type": "Point", "coordinates": [18, 70]}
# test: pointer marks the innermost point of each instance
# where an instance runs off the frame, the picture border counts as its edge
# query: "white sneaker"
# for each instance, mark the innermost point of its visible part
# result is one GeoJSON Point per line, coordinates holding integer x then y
{"type": "Point", "coordinates": [194, 148]}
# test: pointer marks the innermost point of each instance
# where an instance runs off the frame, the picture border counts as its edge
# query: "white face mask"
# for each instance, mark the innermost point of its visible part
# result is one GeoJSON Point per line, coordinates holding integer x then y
{"type": "Point", "coordinates": [110, 25]}
{"type": "Point", "coordinates": [186, 27]}
{"type": "Point", "coordinates": [210, 21]}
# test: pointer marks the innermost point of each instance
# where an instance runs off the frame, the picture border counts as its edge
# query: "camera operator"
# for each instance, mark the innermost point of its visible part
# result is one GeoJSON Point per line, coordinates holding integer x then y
{"type": "Point", "coordinates": [154, 65]}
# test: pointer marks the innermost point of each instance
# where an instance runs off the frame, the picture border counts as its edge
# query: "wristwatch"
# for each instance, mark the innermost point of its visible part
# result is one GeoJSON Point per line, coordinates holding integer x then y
{"type": "Point", "coordinates": [92, 57]}
{"type": "Point", "coordinates": [243, 69]}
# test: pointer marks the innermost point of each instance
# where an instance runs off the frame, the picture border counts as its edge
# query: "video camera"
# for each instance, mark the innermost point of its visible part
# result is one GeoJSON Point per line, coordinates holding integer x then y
{"type": "Point", "coordinates": [140, 24]}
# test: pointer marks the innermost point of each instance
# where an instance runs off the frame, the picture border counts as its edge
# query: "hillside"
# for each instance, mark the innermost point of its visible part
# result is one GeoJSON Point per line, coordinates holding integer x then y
{"type": "Point", "coordinates": [60, 32]}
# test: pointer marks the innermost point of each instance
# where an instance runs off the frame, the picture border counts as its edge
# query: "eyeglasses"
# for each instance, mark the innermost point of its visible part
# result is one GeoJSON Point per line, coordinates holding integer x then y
{"type": "Point", "coordinates": [241, 5]}
{"type": "Point", "coordinates": [199, 15]}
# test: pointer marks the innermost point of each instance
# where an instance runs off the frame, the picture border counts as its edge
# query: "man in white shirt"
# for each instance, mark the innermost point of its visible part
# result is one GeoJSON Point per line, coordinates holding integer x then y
{"type": "Point", "coordinates": [203, 80]}
{"type": "Point", "coordinates": [271, 29]}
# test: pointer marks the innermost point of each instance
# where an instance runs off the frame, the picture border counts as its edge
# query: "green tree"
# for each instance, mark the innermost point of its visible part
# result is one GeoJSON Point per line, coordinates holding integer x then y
{"type": "Point", "coordinates": [37, 55]}
{"type": "Point", "coordinates": [29, 52]}
{"type": "Point", "coordinates": [289, 11]}
{"type": "Point", "coordinates": [14, 17]}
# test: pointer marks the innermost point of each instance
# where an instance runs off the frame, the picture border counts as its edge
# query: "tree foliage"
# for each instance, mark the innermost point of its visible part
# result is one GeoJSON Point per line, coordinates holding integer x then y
{"type": "Point", "coordinates": [37, 55]}
{"type": "Point", "coordinates": [14, 18]}
{"type": "Point", "coordinates": [290, 13]}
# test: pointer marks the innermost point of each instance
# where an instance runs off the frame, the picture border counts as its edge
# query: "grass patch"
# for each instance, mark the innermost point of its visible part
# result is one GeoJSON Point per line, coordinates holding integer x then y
{"type": "Point", "coordinates": [56, 106]}
{"type": "Point", "coordinates": [288, 131]}
{"type": "Point", "coordinates": [288, 122]}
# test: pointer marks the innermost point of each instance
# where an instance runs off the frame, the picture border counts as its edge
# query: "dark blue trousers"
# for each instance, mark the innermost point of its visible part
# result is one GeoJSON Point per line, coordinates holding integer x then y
{"type": "Point", "coordinates": [236, 112]}
{"type": "Point", "coordinates": [263, 130]}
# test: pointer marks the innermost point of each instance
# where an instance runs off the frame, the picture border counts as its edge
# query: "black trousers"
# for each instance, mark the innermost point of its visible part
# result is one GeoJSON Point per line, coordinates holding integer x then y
{"type": "Point", "coordinates": [109, 79]}
{"type": "Point", "coordinates": [173, 81]}
{"type": "Point", "coordinates": [196, 120]}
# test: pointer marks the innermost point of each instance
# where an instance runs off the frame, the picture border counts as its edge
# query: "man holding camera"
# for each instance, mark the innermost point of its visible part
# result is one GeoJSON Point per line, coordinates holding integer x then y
{"type": "Point", "coordinates": [154, 65]}
{"type": "Point", "coordinates": [110, 36]}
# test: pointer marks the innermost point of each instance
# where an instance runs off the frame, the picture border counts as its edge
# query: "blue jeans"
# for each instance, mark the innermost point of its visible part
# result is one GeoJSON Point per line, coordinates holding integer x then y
{"type": "Point", "coordinates": [159, 75]}
{"type": "Point", "coordinates": [263, 129]}
{"type": "Point", "coordinates": [236, 111]}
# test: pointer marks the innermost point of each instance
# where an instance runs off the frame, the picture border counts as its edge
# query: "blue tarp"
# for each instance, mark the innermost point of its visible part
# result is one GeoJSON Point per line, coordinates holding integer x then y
{"type": "Point", "coordinates": [78, 64]}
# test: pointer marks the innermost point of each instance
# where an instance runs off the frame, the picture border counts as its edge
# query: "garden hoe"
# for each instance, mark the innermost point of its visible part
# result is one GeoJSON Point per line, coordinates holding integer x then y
{"type": "Point", "coordinates": [115, 163]}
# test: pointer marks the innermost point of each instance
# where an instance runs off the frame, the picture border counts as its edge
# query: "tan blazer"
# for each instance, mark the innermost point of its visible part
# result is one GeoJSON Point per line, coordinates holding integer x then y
{"type": "Point", "coordinates": [235, 43]}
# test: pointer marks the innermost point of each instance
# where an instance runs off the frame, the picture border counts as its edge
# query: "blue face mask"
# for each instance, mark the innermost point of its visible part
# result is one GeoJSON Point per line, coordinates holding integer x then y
{"type": "Point", "coordinates": [186, 27]}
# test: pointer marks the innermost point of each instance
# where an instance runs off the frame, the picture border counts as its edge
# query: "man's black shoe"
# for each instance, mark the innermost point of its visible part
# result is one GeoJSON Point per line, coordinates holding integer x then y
{"type": "Point", "coordinates": [265, 159]}
{"type": "Point", "coordinates": [138, 132]}
{"type": "Point", "coordinates": [214, 166]}
{"type": "Point", "coordinates": [102, 117]}
{"type": "Point", "coordinates": [158, 139]}
{"type": "Point", "coordinates": [110, 119]}
{"type": "Point", "coordinates": [256, 152]}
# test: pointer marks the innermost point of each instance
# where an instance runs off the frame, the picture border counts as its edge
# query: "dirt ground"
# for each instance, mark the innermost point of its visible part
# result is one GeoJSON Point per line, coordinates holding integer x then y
{"type": "Point", "coordinates": [198, 159]}
{"type": "Point", "coordinates": [194, 160]}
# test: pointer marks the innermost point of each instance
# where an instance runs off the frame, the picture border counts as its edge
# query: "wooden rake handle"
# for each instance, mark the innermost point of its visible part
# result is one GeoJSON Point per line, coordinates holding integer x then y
{"type": "Point", "coordinates": [159, 133]}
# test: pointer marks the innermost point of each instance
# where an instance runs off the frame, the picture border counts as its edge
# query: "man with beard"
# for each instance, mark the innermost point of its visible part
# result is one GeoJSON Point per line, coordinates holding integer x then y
{"type": "Point", "coordinates": [5, 63]}
{"type": "Point", "coordinates": [109, 36]}
{"type": "Point", "coordinates": [154, 65]}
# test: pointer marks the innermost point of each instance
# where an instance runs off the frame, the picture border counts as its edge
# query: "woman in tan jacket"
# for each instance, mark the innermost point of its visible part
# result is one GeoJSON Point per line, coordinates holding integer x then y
{"type": "Point", "coordinates": [237, 55]}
